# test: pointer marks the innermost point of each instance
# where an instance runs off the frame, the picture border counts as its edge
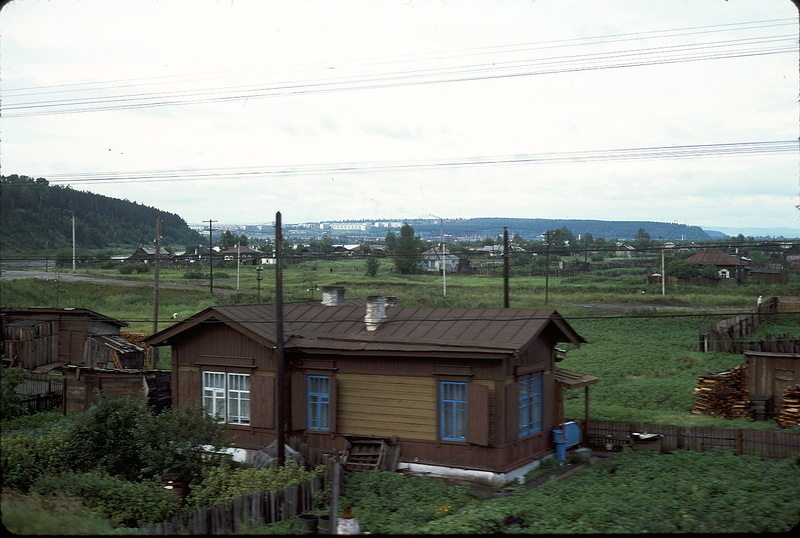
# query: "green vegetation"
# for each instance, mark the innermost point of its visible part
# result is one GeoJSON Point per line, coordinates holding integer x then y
{"type": "Point", "coordinates": [37, 216]}
{"type": "Point", "coordinates": [646, 492]}
{"type": "Point", "coordinates": [226, 482]}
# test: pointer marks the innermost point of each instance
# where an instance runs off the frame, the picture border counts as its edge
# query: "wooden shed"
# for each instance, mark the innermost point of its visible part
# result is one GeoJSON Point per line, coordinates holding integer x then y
{"type": "Point", "coordinates": [769, 375]}
{"type": "Point", "coordinates": [468, 389]}
{"type": "Point", "coordinates": [34, 337]}
{"type": "Point", "coordinates": [84, 385]}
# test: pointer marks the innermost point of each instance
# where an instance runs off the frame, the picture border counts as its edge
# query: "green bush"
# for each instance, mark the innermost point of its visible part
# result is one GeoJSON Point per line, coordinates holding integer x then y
{"type": "Point", "coordinates": [647, 492]}
{"type": "Point", "coordinates": [125, 439]}
{"type": "Point", "coordinates": [24, 457]}
{"type": "Point", "coordinates": [390, 503]}
{"type": "Point", "coordinates": [122, 502]}
{"type": "Point", "coordinates": [10, 402]}
{"type": "Point", "coordinates": [226, 482]}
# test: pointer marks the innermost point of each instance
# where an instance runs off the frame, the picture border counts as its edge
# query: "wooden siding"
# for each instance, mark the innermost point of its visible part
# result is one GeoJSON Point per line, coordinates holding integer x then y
{"type": "Point", "coordinates": [770, 374]}
{"type": "Point", "coordinates": [387, 405]}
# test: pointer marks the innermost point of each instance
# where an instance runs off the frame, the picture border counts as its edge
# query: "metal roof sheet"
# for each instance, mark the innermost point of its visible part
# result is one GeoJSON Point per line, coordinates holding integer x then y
{"type": "Point", "coordinates": [314, 327]}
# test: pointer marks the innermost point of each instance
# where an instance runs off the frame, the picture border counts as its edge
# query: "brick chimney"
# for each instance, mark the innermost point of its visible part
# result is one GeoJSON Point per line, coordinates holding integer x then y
{"type": "Point", "coordinates": [376, 312]}
{"type": "Point", "coordinates": [333, 296]}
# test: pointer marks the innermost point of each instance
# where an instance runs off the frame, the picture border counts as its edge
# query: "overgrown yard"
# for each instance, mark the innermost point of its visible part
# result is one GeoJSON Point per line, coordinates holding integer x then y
{"type": "Point", "coordinates": [644, 352]}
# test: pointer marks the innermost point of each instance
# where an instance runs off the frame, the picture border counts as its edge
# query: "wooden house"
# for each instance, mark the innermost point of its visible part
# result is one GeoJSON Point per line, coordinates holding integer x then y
{"type": "Point", "coordinates": [437, 258]}
{"type": "Point", "coordinates": [459, 390]}
{"type": "Point", "coordinates": [728, 266]}
{"type": "Point", "coordinates": [243, 254]}
{"type": "Point", "coordinates": [148, 255]}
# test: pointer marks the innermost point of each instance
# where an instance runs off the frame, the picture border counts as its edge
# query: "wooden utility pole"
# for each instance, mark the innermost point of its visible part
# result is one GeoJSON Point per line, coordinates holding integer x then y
{"type": "Point", "coordinates": [156, 276]}
{"type": "Point", "coordinates": [211, 255]}
{"type": "Point", "coordinates": [546, 266]}
{"type": "Point", "coordinates": [505, 267]}
{"type": "Point", "coordinates": [279, 360]}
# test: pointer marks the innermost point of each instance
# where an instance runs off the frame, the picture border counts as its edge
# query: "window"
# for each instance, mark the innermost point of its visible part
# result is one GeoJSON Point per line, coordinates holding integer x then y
{"type": "Point", "coordinates": [227, 396]}
{"type": "Point", "coordinates": [453, 410]}
{"type": "Point", "coordinates": [530, 406]}
{"type": "Point", "coordinates": [319, 400]}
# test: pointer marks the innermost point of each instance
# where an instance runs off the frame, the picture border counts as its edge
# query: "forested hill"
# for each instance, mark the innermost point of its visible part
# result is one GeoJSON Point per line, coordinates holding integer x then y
{"type": "Point", "coordinates": [36, 215]}
{"type": "Point", "coordinates": [609, 229]}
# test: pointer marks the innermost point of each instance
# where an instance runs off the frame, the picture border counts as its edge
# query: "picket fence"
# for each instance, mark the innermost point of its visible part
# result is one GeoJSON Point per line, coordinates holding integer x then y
{"type": "Point", "coordinates": [764, 443]}
{"type": "Point", "coordinates": [244, 513]}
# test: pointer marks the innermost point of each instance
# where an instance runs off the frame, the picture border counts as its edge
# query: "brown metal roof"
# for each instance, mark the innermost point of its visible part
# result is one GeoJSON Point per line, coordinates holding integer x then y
{"type": "Point", "coordinates": [714, 256]}
{"type": "Point", "coordinates": [48, 313]}
{"type": "Point", "coordinates": [315, 328]}
{"type": "Point", "coordinates": [573, 380]}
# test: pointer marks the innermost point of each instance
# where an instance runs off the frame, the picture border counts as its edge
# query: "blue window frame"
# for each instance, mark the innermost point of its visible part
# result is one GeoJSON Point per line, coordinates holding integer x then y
{"type": "Point", "coordinates": [530, 406]}
{"type": "Point", "coordinates": [318, 397]}
{"type": "Point", "coordinates": [453, 411]}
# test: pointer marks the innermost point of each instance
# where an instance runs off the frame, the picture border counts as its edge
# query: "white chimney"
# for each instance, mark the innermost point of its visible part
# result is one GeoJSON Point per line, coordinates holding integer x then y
{"type": "Point", "coordinates": [376, 312]}
{"type": "Point", "coordinates": [333, 296]}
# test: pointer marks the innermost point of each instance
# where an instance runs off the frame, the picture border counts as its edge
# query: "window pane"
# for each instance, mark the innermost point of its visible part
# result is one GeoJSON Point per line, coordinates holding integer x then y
{"type": "Point", "coordinates": [239, 398]}
{"type": "Point", "coordinates": [453, 410]}
{"type": "Point", "coordinates": [318, 403]}
{"type": "Point", "coordinates": [530, 406]}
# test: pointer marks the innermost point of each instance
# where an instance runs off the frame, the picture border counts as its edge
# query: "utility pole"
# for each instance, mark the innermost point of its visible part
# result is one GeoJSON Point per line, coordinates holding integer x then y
{"type": "Point", "coordinates": [156, 269]}
{"type": "Point", "coordinates": [546, 265]}
{"type": "Point", "coordinates": [505, 267]}
{"type": "Point", "coordinates": [211, 256]}
{"type": "Point", "coordinates": [279, 360]}
{"type": "Point", "coordinates": [73, 237]}
{"type": "Point", "coordinates": [663, 275]}
{"type": "Point", "coordinates": [238, 262]}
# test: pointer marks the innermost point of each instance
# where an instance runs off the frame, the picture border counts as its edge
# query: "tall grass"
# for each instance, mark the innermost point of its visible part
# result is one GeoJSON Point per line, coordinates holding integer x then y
{"type": "Point", "coordinates": [645, 353]}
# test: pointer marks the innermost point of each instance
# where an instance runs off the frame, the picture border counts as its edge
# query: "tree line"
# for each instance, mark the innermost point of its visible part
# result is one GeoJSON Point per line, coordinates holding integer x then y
{"type": "Point", "coordinates": [37, 216]}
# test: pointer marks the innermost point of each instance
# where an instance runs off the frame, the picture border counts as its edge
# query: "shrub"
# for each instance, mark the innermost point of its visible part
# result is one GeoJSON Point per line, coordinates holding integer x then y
{"type": "Point", "coordinates": [24, 457]}
{"type": "Point", "coordinates": [390, 503]}
{"type": "Point", "coordinates": [10, 402]}
{"type": "Point", "coordinates": [226, 482]}
{"type": "Point", "coordinates": [124, 439]}
{"type": "Point", "coordinates": [120, 501]}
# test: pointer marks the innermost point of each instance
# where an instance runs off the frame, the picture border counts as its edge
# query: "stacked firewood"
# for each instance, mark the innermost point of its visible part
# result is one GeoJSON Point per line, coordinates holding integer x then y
{"type": "Point", "coordinates": [722, 394]}
{"type": "Point", "coordinates": [790, 411]}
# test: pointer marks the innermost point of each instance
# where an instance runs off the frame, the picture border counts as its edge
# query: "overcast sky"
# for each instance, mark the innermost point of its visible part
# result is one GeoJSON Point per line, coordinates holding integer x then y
{"type": "Point", "coordinates": [665, 110]}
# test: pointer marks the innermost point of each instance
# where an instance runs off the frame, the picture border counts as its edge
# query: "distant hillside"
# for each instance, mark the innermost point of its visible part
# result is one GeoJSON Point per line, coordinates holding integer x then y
{"type": "Point", "coordinates": [531, 228]}
{"type": "Point", "coordinates": [36, 215]}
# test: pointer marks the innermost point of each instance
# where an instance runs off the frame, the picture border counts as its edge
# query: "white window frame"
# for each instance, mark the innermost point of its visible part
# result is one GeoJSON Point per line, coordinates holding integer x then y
{"type": "Point", "coordinates": [227, 396]}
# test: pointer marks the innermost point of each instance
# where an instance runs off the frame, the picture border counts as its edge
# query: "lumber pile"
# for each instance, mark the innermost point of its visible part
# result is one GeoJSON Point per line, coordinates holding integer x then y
{"type": "Point", "coordinates": [789, 414]}
{"type": "Point", "coordinates": [722, 394]}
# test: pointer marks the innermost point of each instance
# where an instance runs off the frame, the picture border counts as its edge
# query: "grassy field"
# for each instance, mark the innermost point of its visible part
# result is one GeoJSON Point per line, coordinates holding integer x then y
{"type": "Point", "coordinates": [643, 346]}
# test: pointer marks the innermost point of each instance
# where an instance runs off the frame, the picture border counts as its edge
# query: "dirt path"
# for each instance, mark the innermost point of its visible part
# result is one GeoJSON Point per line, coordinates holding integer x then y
{"type": "Point", "coordinates": [82, 277]}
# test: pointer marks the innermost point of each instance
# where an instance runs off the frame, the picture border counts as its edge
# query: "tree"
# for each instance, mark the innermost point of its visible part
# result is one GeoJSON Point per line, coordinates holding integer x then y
{"type": "Point", "coordinates": [391, 241]}
{"type": "Point", "coordinates": [123, 438]}
{"type": "Point", "coordinates": [408, 251]}
{"type": "Point", "coordinates": [10, 401]}
{"type": "Point", "coordinates": [371, 266]}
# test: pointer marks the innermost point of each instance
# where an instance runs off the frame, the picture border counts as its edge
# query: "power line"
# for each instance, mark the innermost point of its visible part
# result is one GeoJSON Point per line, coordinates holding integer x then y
{"type": "Point", "coordinates": [569, 157]}
{"type": "Point", "coordinates": [713, 50]}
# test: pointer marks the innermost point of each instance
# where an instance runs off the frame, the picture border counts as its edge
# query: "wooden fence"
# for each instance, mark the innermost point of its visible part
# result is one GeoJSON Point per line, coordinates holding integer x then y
{"type": "Point", "coordinates": [244, 513]}
{"type": "Point", "coordinates": [41, 392]}
{"type": "Point", "coordinates": [765, 443]}
{"type": "Point", "coordinates": [728, 335]}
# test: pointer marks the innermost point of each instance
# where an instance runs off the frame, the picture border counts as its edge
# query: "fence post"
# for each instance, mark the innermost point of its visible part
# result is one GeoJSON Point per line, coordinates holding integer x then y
{"type": "Point", "coordinates": [739, 443]}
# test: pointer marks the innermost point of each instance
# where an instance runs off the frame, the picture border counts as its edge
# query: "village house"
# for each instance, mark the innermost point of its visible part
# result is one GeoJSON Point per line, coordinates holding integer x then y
{"type": "Point", "coordinates": [244, 254]}
{"type": "Point", "coordinates": [470, 392]}
{"type": "Point", "coordinates": [728, 266]}
{"type": "Point", "coordinates": [148, 255]}
{"type": "Point", "coordinates": [437, 258]}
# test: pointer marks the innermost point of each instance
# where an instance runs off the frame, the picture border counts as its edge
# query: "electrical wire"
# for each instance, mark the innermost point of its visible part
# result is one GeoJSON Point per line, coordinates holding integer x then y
{"type": "Point", "coordinates": [713, 50]}
{"type": "Point", "coordinates": [775, 147]}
